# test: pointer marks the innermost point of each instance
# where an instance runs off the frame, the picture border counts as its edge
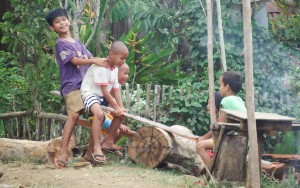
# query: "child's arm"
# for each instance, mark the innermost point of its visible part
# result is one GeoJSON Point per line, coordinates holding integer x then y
{"type": "Point", "coordinates": [111, 101]}
{"type": "Point", "coordinates": [117, 95]}
{"type": "Point", "coordinates": [222, 117]}
{"type": "Point", "coordinates": [208, 135]}
{"type": "Point", "coordinates": [93, 60]}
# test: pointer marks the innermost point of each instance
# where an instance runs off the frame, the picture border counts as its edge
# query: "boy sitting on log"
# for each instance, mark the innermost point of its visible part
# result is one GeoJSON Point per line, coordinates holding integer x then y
{"type": "Point", "coordinates": [230, 85]}
{"type": "Point", "coordinates": [124, 130]}
{"type": "Point", "coordinates": [95, 90]}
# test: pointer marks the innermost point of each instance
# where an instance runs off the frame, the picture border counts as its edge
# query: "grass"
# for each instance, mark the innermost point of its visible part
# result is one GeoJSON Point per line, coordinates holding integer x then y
{"type": "Point", "coordinates": [126, 171]}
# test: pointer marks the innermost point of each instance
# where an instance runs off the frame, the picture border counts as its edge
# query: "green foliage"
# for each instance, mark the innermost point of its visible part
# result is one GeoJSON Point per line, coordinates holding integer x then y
{"type": "Point", "coordinates": [146, 66]}
{"type": "Point", "coordinates": [288, 144]}
{"type": "Point", "coordinates": [285, 28]}
{"type": "Point", "coordinates": [12, 86]}
{"type": "Point", "coordinates": [187, 25]}
{"type": "Point", "coordinates": [290, 181]}
{"type": "Point", "coordinates": [26, 33]}
{"type": "Point", "coordinates": [282, 143]}
{"type": "Point", "coordinates": [188, 108]}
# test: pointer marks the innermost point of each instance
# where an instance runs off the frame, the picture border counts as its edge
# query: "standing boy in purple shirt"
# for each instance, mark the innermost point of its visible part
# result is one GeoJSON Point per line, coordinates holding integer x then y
{"type": "Point", "coordinates": [73, 59]}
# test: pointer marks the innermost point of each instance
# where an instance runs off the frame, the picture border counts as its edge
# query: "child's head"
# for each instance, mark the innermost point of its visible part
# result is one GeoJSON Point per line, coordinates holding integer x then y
{"type": "Point", "coordinates": [118, 53]}
{"type": "Point", "coordinates": [230, 83]}
{"type": "Point", "coordinates": [58, 21]}
{"type": "Point", "coordinates": [218, 99]}
{"type": "Point", "coordinates": [60, 12]}
{"type": "Point", "coordinates": [123, 73]}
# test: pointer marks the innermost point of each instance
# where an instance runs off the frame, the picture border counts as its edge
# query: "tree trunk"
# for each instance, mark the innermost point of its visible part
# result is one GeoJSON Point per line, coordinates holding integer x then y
{"type": "Point", "coordinates": [154, 147]}
{"type": "Point", "coordinates": [34, 150]}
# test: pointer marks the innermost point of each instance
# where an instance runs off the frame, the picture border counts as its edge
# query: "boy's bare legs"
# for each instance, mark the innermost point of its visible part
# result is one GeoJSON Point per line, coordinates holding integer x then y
{"type": "Point", "coordinates": [62, 159]}
{"type": "Point", "coordinates": [108, 140]}
{"type": "Point", "coordinates": [88, 155]}
{"type": "Point", "coordinates": [201, 148]}
{"type": "Point", "coordinates": [96, 130]}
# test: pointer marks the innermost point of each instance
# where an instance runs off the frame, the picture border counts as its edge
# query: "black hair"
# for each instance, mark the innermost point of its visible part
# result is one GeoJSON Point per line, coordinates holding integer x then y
{"type": "Point", "coordinates": [233, 79]}
{"type": "Point", "coordinates": [218, 99]}
{"type": "Point", "coordinates": [54, 14]}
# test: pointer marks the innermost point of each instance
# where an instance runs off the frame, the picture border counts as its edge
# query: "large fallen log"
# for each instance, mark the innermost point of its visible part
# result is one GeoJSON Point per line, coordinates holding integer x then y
{"type": "Point", "coordinates": [155, 147]}
{"type": "Point", "coordinates": [38, 151]}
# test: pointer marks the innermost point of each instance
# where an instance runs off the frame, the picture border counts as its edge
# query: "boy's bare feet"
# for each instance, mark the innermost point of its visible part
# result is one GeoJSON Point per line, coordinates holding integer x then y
{"type": "Point", "coordinates": [62, 160]}
{"type": "Point", "coordinates": [110, 148]}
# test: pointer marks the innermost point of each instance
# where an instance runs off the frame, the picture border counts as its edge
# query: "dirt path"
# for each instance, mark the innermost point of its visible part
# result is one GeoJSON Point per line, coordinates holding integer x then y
{"type": "Point", "coordinates": [115, 175]}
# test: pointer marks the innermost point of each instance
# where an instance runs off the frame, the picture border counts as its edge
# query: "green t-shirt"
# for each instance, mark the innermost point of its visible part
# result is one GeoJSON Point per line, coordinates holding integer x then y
{"type": "Point", "coordinates": [233, 103]}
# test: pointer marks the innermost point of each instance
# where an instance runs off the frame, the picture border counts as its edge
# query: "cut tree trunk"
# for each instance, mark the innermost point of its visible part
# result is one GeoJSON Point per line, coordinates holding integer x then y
{"type": "Point", "coordinates": [38, 151]}
{"type": "Point", "coordinates": [231, 159]}
{"type": "Point", "coordinates": [154, 147]}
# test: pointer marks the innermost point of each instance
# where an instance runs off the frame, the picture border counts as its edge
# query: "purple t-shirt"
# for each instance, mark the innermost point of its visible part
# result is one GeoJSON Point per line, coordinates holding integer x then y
{"type": "Point", "coordinates": [70, 75]}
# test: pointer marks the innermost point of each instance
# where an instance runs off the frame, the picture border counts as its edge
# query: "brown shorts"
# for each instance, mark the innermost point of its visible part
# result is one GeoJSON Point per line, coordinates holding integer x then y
{"type": "Point", "coordinates": [74, 102]}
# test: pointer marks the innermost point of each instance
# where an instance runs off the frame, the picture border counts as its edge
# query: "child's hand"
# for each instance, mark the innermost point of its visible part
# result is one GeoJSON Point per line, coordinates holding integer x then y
{"type": "Point", "coordinates": [200, 138]}
{"type": "Point", "coordinates": [118, 111]}
{"type": "Point", "coordinates": [100, 61]}
{"type": "Point", "coordinates": [124, 128]}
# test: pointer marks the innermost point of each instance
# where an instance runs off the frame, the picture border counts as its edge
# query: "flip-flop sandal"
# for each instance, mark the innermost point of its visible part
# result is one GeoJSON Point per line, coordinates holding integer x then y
{"type": "Point", "coordinates": [113, 151]}
{"type": "Point", "coordinates": [60, 164]}
{"type": "Point", "coordinates": [82, 165]}
{"type": "Point", "coordinates": [97, 161]}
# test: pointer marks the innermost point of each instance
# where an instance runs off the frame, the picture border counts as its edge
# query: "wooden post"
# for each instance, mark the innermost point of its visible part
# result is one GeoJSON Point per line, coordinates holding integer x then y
{"type": "Point", "coordinates": [127, 96]}
{"type": "Point", "coordinates": [210, 63]}
{"type": "Point", "coordinates": [170, 96]}
{"type": "Point", "coordinates": [148, 100]}
{"type": "Point", "coordinates": [138, 96]}
{"type": "Point", "coordinates": [220, 29]}
{"type": "Point", "coordinates": [253, 175]}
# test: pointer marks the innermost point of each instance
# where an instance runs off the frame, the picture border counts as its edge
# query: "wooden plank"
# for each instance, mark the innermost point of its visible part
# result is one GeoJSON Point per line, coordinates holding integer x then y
{"type": "Point", "coordinates": [216, 148]}
{"type": "Point", "coordinates": [282, 156]}
{"type": "Point", "coordinates": [156, 124]}
{"type": "Point", "coordinates": [296, 126]}
{"type": "Point", "coordinates": [16, 114]}
{"type": "Point", "coordinates": [258, 115]}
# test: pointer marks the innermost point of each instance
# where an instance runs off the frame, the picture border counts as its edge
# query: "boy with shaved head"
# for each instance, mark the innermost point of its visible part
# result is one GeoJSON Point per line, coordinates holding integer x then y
{"type": "Point", "coordinates": [96, 88]}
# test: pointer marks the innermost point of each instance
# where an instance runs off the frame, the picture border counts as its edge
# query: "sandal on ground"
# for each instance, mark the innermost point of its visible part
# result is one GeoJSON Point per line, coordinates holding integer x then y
{"type": "Point", "coordinates": [82, 165]}
{"type": "Point", "coordinates": [103, 159]}
{"type": "Point", "coordinates": [113, 151]}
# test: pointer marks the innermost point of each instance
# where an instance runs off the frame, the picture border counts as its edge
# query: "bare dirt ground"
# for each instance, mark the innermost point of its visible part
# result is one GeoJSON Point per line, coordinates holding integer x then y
{"type": "Point", "coordinates": [20, 174]}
